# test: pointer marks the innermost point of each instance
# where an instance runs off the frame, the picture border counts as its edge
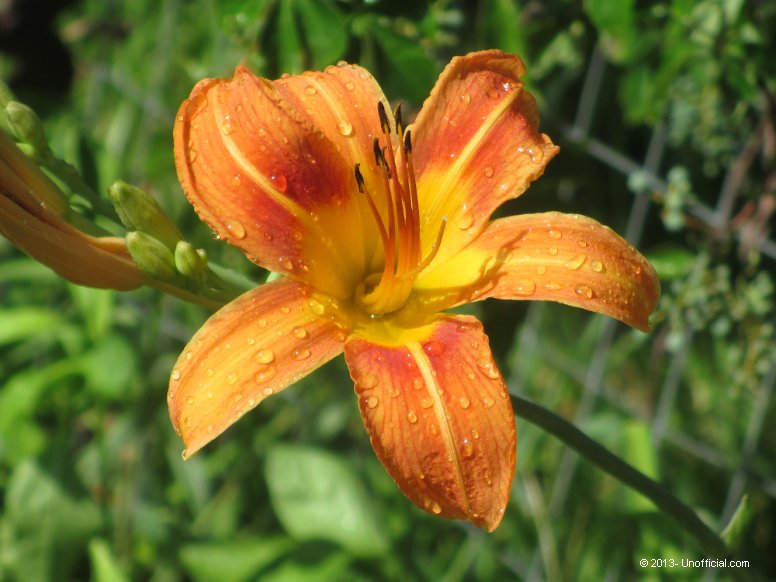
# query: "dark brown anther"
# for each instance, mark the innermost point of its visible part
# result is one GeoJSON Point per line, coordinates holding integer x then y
{"type": "Point", "coordinates": [408, 142]}
{"type": "Point", "coordinates": [384, 123]}
{"type": "Point", "coordinates": [380, 158]}
{"type": "Point", "coordinates": [397, 118]}
{"type": "Point", "coordinates": [359, 178]}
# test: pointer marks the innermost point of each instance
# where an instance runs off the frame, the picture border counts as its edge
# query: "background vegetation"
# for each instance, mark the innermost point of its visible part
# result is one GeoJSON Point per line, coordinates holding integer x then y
{"type": "Point", "coordinates": [665, 115]}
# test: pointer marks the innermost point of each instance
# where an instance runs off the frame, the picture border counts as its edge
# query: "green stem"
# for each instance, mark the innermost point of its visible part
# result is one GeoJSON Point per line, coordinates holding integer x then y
{"type": "Point", "coordinates": [598, 455]}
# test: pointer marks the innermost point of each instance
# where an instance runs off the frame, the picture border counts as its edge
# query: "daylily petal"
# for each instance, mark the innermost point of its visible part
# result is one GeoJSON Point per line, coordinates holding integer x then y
{"type": "Point", "coordinates": [440, 419]}
{"type": "Point", "coordinates": [266, 180]}
{"type": "Point", "coordinates": [255, 346]}
{"type": "Point", "coordinates": [476, 144]}
{"type": "Point", "coordinates": [342, 102]}
{"type": "Point", "coordinates": [559, 257]}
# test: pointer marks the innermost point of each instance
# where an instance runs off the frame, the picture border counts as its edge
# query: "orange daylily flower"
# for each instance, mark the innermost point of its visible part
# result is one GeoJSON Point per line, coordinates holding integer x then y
{"type": "Point", "coordinates": [35, 217]}
{"type": "Point", "coordinates": [376, 229]}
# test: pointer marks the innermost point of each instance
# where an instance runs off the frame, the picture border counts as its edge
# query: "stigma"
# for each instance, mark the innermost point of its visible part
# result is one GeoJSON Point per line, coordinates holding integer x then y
{"type": "Point", "coordinates": [398, 225]}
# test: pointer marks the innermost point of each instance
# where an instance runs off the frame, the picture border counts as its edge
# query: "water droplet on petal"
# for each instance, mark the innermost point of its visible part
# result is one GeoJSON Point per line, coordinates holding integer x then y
{"type": "Point", "coordinates": [502, 190]}
{"type": "Point", "coordinates": [176, 374]}
{"type": "Point", "coordinates": [231, 378]}
{"type": "Point", "coordinates": [436, 509]}
{"type": "Point", "coordinates": [584, 291]}
{"type": "Point", "coordinates": [467, 448]}
{"type": "Point", "coordinates": [262, 323]}
{"type": "Point", "coordinates": [368, 381]}
{"type": "Point", "coordinates": [582, 243]}
{"type": "Point", "coordinates": [286, 263]}
{"type": "Point", "coordinates": [553, 251]}
{"type": "Point", "coordinates": [310, 90]}
{"type": "Point", "coordinates": [265, 374]}
{"type": "Point", "coordinates": [265, 356]}
{"type": "Point", "coordinates": [192, 155]}
{"type": "Point", "coordinates": [466, 221]}
{"type": "Point", "coordinates": [426, 403]}
{"type": "Point", "coordinates": [279, 181]}
{"type": "Point", "coordinates": [236, 228]}
{"type": "Point", "coordinates": [597, 266]}
{"type": "Point", "coordinates": [187, 421]}
{"type": "Point", "coordinates": [576, 262]}
{"type": "Point", "coordinates": [466, 98]}
{"type": "Point", "coordinates": [434, 348]}
{"type": "Point", "coordinates": [315, 306]}
{"type": "Point", "coordinates": [464, 402]}
{"type": "Point", "coordinates": [227, 126]}
{"type": "Point", "coordinates": [488, 171]}
{"type": "Point", "coordinates": [345, 128]}
{"type": "Point", "coordinates": [300, 332]}
{"type": "Point", "coordinates": [372, 402]}
{"type": "Point", "coordinates": [301, 354]}
{"type": "Point", "coordinates": [553, 286]}
{"type": "Point", "coordinates": [524, 288]}
{"type": "Point", "coordinates": [235, 181]}
{"type": "Point", "coordinates": [268, 391]}
{"type": "Point", "coordinates": [555, 234]}
{"type": "Point", "coordinates": [350, 85]}
{"type": "Point", "coordinates": [412, 417]}
{"type": "Point", "coordinates": [418, 383]}
{"type": "Point", "coordinates": [285, 309]}
{"type": "Point", "coordinates": [488, 402]}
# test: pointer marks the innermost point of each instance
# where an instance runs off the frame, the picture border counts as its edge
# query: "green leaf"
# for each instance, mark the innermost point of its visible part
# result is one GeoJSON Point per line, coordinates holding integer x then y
{"type": "Point", "coordinates": [23, 323]}
{"type": "Point", "coordinates": [325, 31]}
{"type": "Point", "coordinates": [233, 560]}
{"type": "Point", "coordinates": [289, 45]}
{"type": "Point", "coordinates": [502, 26]}
{"type": "Point", "coordinates": [108, 368]}
{"type": "Point", "coordinates": [671, 262]}
{"type": "Point", "coordinates": [332, 568]}
{"type": "Point", "coordinates": [738, 524]}
{"type": "Point", "coordinates": [638, 450]}
{"type": "Point", "coordinates": [317, 496]}
{"type": "Point", "coordinates": [411, 72]}
{"type": "Point", "coordinates": [615, 23]}
{"type": "Point", "coordinates": [105, 567]}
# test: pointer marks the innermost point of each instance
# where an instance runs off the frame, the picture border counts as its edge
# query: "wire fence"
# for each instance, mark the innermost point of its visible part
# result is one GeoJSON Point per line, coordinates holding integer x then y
{"type": "Point", "coordinates": [596, 387]}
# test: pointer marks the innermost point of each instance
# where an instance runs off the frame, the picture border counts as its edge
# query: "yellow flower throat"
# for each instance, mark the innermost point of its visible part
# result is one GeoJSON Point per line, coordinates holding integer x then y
{"type": "Point", "coordinates": [387, 290]}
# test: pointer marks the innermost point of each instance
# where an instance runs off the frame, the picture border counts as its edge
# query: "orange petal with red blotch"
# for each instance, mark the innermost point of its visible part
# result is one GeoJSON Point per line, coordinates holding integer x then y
{"type": "Point", "coordinates": [252, 348]}
{"type": "Point", "coordinates": [440, 419]}
{"type": "Point", "coordinates": [476, 145]}
{"type": "Point", "coordinates": [265, 179]}
{"type": "Point", "coordinates": [559, 257]}
{"type": "Point", "coordinates": [342, 102]}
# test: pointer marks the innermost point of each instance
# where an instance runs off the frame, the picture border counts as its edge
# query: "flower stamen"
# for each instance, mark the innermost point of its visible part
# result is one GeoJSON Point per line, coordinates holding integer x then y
{"type": "Point", "coordinates": [399, 228]}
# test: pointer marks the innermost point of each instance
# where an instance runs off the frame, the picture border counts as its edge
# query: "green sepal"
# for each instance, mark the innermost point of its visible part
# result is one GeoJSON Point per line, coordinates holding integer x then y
{"type": "Point", "coordinates": [26, 124]}
{"type": "Point", "coordinates": [191, 263]}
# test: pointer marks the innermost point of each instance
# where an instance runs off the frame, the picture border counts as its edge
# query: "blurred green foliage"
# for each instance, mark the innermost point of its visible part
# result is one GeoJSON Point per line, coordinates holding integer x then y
{"type": "Point", "coordinates": [91, 480]}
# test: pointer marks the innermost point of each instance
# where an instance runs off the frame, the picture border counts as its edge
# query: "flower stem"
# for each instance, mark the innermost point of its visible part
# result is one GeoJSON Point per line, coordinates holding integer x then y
{"type": "Point", "coordinates": [597, 454]}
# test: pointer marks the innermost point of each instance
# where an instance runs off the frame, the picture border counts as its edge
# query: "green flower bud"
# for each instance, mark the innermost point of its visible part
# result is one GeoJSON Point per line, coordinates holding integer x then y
{"type": "Point", "coordinates": [140, 211]}
{"type": "Point", "coordinates": [190, 263]}
{"type": "Point", "coordinates": [27, 126]}
{"type": "Point", "coordinates": [151, 256]}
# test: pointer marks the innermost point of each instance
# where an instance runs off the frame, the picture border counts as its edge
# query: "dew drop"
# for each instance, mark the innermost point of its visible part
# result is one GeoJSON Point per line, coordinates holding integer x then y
{"type": "Point", "coordinates": [210, 395]}
{"type": "Point", "coordinates": [488, 402]}
{"type": "Point", "coordinates": [471, 375]}
{"type": "Point", "coordinates": [553, 251]}
{"type": "Point", "coordinates": [209, 428]}
{"type": "Point", "coordinates": [434, 348]}
{"type": "Point", "coordinates": [418, 383]}
{"type": "Point", "coordinates": [262, 323]}
{"type": "Point", "coordinates": [265, 356]}
{"type": "Point", "coordinates": [524, 288]}
{"type": "Point", "coordinates": [345, 128]}
{"type": "Point", "coordinates": [210, 372]}
{"type": "Point", "coordinates": [576, 262]}
{"type": "Point", "coordinates": [301, 354]}
{"type": "Point", "coordinates": [286, 263]}
{"type": "Point", "coordinates": [176, 374]}
{"type": "Point", "coordinates": [187, 421]}
{"type": "Point", "coordinates": [475, 434]}
{"type": "Point", "coordinates": [488, 171]}
{"type": "Point", "coordinates": [502, 190]}
{"type": "Point", "coordinates": [265, 374]}
{"type": "Point", "coordinates": [236, 228]}
{"type": "Point", "coordinates": [412, 417]}
{"type": "Point", "coordinates": [315, 306]}
{"type": "Point", "coordinates": [300, 332]}
{"type": "Point", "coordinates": [597, 266]}
{"type": "Point", "coordinates": [436, 509]}
{"type": "Point", "coordinates": [372, 402]}
{"type": "Point", "coordinates": [464, 402]}
{"type": "Point", "coordinates": [350, 85]}
{"type": "Point", "coordinates": [553, 286]}
{"type": "Point", "coordinates": [190, 400]}
{"type": "Point", "coordinates": [466, 221]}
{"type": "Point", "coordinates": [231, 379]}
{"type": "Point", "coordinates": [310, 90]}
{"type": "Point", "coordinates": [582, 243]}
{"type": "Point", "coordinates": [268, 391]}
{"type": "Point", "coordinates": [192, 155]}
{"type": "Point", "coordinates": [466, 98]}
{"type": "Point", "coordinates": [555, 234]}
{"type": "Point", "coordinates": [235, 181]}
{"type": "Point", "coordinates": [426, 403]}
{"type": "Point", "coordinates": [467, 448]}
{"type": "Point", "coordinates": [368, 381]}
{"type": "Point", "coordinates": [584, 291]}
{"type": "Point", "coordinates": [285, 310]}
{"type": "Point", "coordinates": [227, 126]}
{"type": "Point", "coordinates": [279, 181]}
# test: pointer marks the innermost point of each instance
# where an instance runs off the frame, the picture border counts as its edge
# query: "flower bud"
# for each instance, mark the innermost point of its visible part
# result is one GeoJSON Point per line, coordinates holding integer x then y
{"type": "Point", "coordinates": [190, 263]}
{"type": "Point", "coordinates": [151, 256]}
{"type": "Point", "coordinates": [27, 126]}
{"type": "Point", "coordinates": [140, 211]}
